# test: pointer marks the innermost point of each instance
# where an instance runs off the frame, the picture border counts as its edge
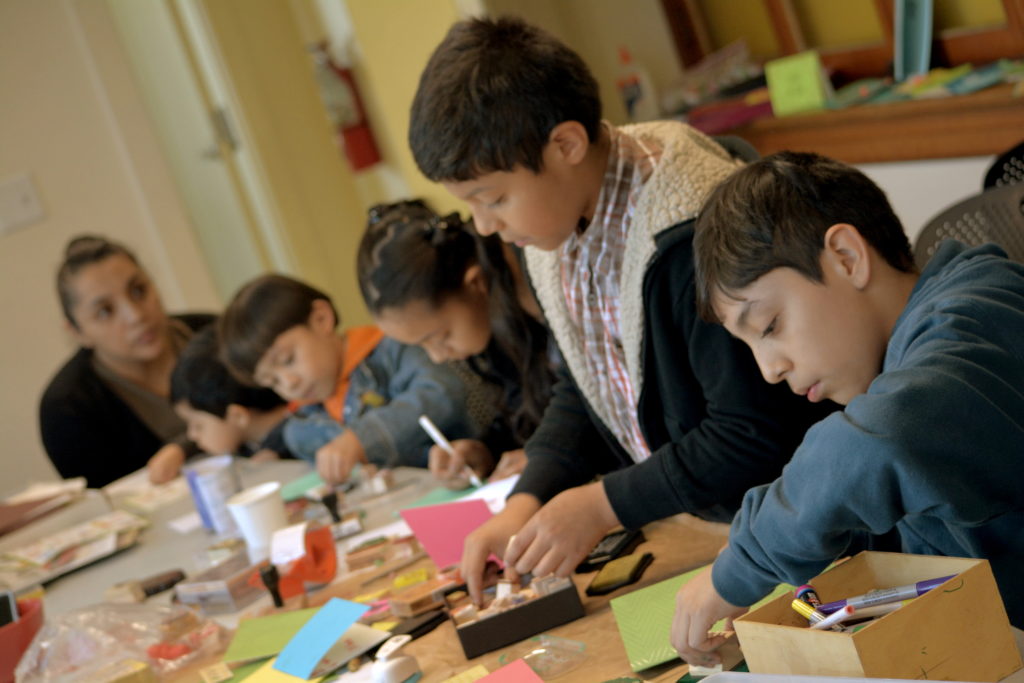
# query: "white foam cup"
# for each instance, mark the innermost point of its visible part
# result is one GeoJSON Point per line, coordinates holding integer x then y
{"type": "Point", "coordinates": [259, 512]}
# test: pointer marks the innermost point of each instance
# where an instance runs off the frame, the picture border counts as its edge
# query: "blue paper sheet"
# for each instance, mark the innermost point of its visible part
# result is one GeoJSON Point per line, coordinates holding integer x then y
{"type": "Point", "coordinates": [304, 651]}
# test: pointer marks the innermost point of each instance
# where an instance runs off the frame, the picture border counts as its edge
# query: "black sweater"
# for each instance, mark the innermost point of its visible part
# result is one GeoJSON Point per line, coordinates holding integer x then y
{"type": "Point", "coordinates": [87, 430]}
{"type": "Point", "coordinates": [714, 426]}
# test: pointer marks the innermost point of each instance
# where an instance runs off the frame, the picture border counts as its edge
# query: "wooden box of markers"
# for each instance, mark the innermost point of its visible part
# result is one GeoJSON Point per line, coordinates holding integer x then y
{"type": "Point", "coordinates": [957, 631]}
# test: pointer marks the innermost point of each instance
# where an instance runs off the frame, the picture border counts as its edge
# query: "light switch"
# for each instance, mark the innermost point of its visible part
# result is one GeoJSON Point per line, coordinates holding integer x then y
{"type": "Point", "coordinates": [19, 203]}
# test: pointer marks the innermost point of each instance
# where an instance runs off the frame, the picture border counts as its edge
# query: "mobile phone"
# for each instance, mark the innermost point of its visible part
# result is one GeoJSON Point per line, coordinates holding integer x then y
{"type": "Point", "coordinates": [615, 544]}
{"type": "Point", "coordinates": [8, 608]}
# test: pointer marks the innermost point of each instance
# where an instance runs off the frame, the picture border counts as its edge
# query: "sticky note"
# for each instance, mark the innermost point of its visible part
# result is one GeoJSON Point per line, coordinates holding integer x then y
{"type": "Point", "coordinates": [298, 487]}
{"type": "Point", "coordinates": [317, 636]}
{"type": "Point", "coordinates": [442, 529]}
{"type": "Point", "coordinates": [264, 637]}
{"type": "Point", "coordinates": [796, 84]}
{"type": "Point", "coordinates": [268, 673]}
{"type": "Point", "coordinates": [468, 676]}
{"type": "Point", "coordinates": [516, 672]}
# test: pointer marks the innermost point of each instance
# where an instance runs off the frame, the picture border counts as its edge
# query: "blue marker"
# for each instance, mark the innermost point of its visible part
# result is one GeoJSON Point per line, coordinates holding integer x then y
{"type": "Point", "coordinates": [886, 595]}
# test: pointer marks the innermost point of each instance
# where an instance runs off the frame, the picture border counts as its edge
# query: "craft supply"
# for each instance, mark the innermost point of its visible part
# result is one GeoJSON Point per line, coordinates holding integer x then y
{"type": "Point", "coordinates": [302, 655]}
{"type": "Point", "coordinates": [834, 619]}
{"type": "Point", "coordinates": [615, 544]}
{"type": "Point", "coordinates": [807, 593]}
{"type": "Point", "coordinates": [271, 579]}
{"type": "Point", "coordinates": [886, 595]}
{"type": "Point", "coordinates": [440, 439]}
{"type": "Point", "coordinates": [330, 501]}
{"type": "Point", "coordinates": [442, 529]}
{"type": "Point", "coordinates": [877, 610]}
{"type": "Point", "coordinates": [212, 482]}
{"type": "Point", "coordinates": [619, 573]}
{"type": "Point", "coordinates": [392, 665]}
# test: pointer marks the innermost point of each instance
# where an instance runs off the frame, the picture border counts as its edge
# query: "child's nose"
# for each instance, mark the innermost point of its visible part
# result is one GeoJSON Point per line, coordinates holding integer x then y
{"type": "Point", "coordinates": [485, 223]}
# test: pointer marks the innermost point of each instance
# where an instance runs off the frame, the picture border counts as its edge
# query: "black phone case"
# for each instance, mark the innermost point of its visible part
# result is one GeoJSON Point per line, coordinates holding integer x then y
{"type": "Point", "coordinates": [615, 544]}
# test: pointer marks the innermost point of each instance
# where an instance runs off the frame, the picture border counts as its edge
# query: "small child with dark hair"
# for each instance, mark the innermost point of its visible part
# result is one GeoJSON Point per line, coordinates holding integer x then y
{"type": "Point", "coordinates": [357, 395]}
{"type": "Point", "coordinates": [667, 407]}
{"type": "Point", "coordinates": [434, 282]}
{"type": "Point", "coordinates": [803, 259]}
{"type": "Point", "coordinates": [223, 415]}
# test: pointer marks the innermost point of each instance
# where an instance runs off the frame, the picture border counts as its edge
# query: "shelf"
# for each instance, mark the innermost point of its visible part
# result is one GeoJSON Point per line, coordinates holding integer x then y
{"type": "Point", "coordinates": [982, 123]}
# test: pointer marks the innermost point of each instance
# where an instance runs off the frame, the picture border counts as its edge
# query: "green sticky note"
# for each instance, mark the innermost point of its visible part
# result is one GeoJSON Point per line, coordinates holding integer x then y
{"type": "Point", "coordinates": [296, 488]}
{"type": "Point", "coordinates": [796, 84]}
{"type": "Point", "coordinates": [644, 618]}
{"type": "Point", "coordinates": [265, 637]}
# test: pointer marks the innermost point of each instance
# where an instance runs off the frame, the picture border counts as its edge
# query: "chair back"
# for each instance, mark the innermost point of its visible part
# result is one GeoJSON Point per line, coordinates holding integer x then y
{"type": "Point", "coordinates": [1007, 169]}
{"type": "Point", "coordinates": [996, 215]}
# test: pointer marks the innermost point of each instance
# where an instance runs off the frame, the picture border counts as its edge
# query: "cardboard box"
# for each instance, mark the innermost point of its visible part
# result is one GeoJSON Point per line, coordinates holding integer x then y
{"type": "Point", "coordinates": [529, 619]}
{"type": "Point", "coordinates": [222, 588]}
{"type": "Point", "coordinates": [958, 631]}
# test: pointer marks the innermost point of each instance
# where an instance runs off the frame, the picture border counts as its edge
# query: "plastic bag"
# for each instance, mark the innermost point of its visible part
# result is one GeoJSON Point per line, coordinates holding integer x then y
{"type": "Point", "coordinates": [94, 643]}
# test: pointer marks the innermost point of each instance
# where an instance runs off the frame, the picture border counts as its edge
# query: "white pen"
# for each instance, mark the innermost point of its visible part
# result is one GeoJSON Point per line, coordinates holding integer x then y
{"type": "Point", "coordinates": [430, 428]}
{"type": "Point", "coordinates": [840, 615]}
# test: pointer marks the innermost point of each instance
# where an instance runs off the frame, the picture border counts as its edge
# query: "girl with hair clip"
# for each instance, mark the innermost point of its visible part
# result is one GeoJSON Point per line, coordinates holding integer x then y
{"type": "Point", "coordinates": [106, 413]}
{"type": "Point", "coordinates": [434, 282]}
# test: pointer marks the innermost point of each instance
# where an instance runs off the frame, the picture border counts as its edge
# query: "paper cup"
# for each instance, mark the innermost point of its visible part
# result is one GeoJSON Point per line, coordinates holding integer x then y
{"type": "Point", "coordinates": [212, 481]}
{"type": "Point", "coordinates": [259, 512]}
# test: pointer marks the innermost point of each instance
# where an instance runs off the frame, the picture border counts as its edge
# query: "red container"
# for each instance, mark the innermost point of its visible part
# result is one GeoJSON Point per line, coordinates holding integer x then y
{"type": "Point", "coordinates": [16, 636]}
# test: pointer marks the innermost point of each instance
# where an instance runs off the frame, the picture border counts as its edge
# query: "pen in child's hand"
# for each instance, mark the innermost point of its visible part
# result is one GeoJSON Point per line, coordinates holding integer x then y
{"type": "Point", "coordinates": [430, 428]}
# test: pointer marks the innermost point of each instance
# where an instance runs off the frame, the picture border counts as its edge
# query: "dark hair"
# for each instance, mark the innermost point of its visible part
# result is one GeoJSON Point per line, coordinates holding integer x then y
{"type": "Point", "coordinates": [491, 94]}
{"type": "Point", "coordinates": [82, 251]}
{"type": "Point", "coordinates": [408, 253]}
{"type": "Point", "coordinates": [774, 213]}
{"type": "Point", "coordinates": [202, 380]}
{"type": "Point", "coordinates": [260, 311]}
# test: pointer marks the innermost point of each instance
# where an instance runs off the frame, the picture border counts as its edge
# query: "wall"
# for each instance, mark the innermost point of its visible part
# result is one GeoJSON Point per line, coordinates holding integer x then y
{"type": "Point", "coordinates": [89, 148]}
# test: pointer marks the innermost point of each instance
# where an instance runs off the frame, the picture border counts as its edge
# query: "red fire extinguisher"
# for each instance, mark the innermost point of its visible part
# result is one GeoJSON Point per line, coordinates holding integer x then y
{"type": "Point", "coordinates": [345, 108]}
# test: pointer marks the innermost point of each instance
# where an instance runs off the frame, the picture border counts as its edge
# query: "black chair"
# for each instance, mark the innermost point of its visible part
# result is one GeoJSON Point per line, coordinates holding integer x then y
{"type": "Point", "coordinates": [1007, 169]}
{"type": "Point", "coordinates": [996, 215]}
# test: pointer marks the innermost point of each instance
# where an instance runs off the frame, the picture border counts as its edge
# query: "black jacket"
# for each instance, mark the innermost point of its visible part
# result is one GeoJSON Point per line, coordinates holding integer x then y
{"type": "Point", "coordinates": [87, 430]}
{"type": "Point", "coordinates": [714, 426]}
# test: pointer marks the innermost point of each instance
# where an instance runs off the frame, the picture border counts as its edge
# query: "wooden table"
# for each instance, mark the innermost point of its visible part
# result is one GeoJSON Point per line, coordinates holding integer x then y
{"type": "Point", "coordinates": [678, 544]}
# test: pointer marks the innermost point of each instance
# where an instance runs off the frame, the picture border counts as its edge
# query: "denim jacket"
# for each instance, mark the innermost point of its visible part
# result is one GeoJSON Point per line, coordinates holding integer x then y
{"type": "Point", "coordinates": [387, 393]}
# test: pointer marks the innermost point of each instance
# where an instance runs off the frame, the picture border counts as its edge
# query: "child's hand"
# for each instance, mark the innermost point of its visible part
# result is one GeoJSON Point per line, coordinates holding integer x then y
{"type": "Point", "coordinates": [166, 463]}
{"type": "Point", "coordinates": [563, 531]}
{"type": "Point", "coordinates": [512, 462]}
{"type": "Point", "coordinates": [336, 458]}
{"type": "Point", "coordinates": [449, 469]}
{"type": "Point", "coordinates": [698, 607]}
{"type": "Point", "coordinates": [491, 538]}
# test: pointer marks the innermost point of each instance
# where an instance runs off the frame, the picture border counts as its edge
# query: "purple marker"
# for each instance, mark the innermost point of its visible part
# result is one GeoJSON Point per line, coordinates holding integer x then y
{"type": "Point", "coordinates": [886, 595]}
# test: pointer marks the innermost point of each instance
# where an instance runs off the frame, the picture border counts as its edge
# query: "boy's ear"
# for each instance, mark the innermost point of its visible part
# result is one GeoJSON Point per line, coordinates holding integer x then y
{"type": "Point", "coordinates": [848, 254]}
{"type": "Point", "coordinates": [569, 141]}
{"type": "Point", "coordinates": [238, 416]}
{"type": "Point", "coordinates": [321, 316]}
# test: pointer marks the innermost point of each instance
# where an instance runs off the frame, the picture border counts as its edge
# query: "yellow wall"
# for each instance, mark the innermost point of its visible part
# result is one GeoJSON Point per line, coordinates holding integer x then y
{"type": "Point", "coordinates": [395, 39]}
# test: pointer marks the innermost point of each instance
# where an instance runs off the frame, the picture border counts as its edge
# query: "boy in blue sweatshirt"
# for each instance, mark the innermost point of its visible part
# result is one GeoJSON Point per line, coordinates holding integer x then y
{"type": "Point", "coordinates": [802, 258]}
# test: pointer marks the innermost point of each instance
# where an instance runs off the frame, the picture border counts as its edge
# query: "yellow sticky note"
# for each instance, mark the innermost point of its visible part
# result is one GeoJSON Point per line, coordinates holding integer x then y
{"type": "Point", "coordinates": [367, 598]}
{"type": "Point", "coordinates": [796, 84]}
{"type": "Point", "coordinates": [268, 674]}
{"type": "Point", "coordinates": [469, 675]}
{"type": "Point", "coordinates": [384, 625]}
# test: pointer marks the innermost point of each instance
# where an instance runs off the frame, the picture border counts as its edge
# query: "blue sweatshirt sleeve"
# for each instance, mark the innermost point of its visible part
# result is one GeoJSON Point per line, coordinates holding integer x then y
{"type": "Point", "coordinates": [391, 434]}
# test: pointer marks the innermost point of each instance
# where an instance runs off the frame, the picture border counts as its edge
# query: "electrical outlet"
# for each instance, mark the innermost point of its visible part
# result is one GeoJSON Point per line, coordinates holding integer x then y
{"type": "Point", "coordinates": [19, 203]}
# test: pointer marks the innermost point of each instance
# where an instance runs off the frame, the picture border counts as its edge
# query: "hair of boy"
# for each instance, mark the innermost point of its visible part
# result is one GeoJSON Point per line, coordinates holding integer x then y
{"type": "Point", "coordinates": [202, 380]}
{"type": "Point", "coordinates": [260, 311]}
{"type": "Point", "coordinates": [774, 213]}
{"type": "Point", "coordinates": [82, 251]}
{"type": "Point", "coordinates": [409, 253]}
{"type": "Point", "coordinates": [490, 95]}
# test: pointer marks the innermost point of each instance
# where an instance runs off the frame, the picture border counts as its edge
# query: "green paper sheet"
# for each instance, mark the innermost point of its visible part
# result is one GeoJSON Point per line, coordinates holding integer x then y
{"type": "Point", "coordinates": [245, 670]}
{"type": "Point", "coordinates": [296, 488]}
{"type": "Point", "coordinates": [644, 618]}
{"type": "Point", "coordinates": [264, 637]}
{"type": "Point", "coordinates": [439, 495]}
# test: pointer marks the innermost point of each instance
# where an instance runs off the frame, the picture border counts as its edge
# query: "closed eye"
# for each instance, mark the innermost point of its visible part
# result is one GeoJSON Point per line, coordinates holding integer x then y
{"type": "Point", "coordinates": [771, 327]}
